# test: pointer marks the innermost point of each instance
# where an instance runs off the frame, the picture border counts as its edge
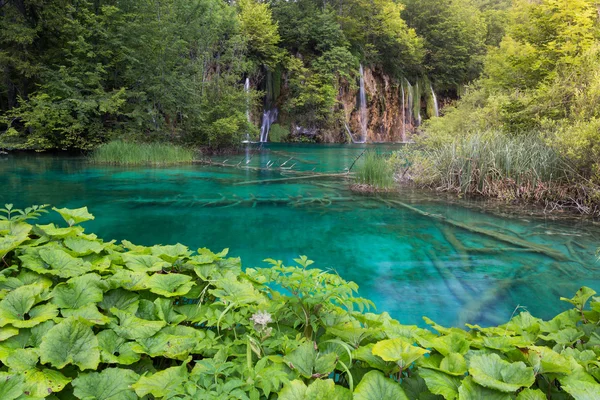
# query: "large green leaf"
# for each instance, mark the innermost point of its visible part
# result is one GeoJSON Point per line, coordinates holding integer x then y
{"type": "Point", "coordinates": [365, 354]}
{"type": "Point", "coordinates": [129, 280]}
{"type": "Point", "coordinates": [452, 343]}
{"type": "Point", "coordinates": [72, 341]}
{"type": "Point", "coordinates": [230, 289]}
{"type": "Point", "coordinates": [120, 299]}
{"type": "Point", "coordinates": [491, 371]}
{"type": "Point", "coordinates": [441, 383]}
{"type": "Point", "coordinates": [11, 386]}
{"type": "Point", "coordinates": [375, 386]}
{"type": "Point", "coordinates": [171, 344]}
{"type": "Point", "coordinates": [20, 360]}
{"type": "Point", "coordinates": [74, 216]}
{"type": "Point", "coordinates": [88, 312]}
{"type": "Point", "coordinates": [10, 242]}
{"type": "Point", "coordinates": [63, 264]}
{"type": "Point", "coordinates": [166, 383]}
{"type": "Point", "coordinates": [469, 390]}
{"type": "Point", "coordinates": [171, 253]}
{"type": "Point", "coordinates": [399, 351]}
{"type": "Point", "coordinates": [110, 384]}
{"type": "Point", "coordinates": [132, 327]}
{"type": "Point", "coordinates": [453, 364]}
{"type": "Point", "coordinates": [117, 350]}
{"type": "Point", "coordinates": [170, 285]}
{"type": "Point", "coordinates": [144, 262]}
{"type": "Point", "coordinates": [545, 360]}
{"type": "Point", "coordinates": [39, 383]}
{"type": "Point", "coordinates": [54, 232]}
{"type": "Point", "coordinates": [17, 308]}
{"type": "Point", "coordinates": [78, 292]}
{"type": "Point", "coordinates": [580, 385]}
{"type": "Point", "coordinates": [82, 246]}
{"type": "Point", "coordinates": [309, 363]}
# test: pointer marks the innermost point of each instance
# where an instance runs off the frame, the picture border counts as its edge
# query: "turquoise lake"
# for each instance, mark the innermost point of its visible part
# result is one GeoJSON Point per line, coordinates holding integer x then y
{"type": "Point", "coordinates": [410, 264]}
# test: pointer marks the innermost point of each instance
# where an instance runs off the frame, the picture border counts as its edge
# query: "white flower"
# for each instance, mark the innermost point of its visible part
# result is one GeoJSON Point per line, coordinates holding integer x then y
{"type": "Point", "coordinates": [261, 318]}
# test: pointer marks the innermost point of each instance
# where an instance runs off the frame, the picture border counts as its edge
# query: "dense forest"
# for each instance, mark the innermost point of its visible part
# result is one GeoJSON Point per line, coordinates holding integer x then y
{"type": "Point", "coordinates": [79, 73]}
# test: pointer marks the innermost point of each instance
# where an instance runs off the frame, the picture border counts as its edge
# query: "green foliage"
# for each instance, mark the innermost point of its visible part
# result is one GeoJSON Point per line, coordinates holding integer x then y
{"type": "Point", "coordinates": [165, 322]}
{"type": "Point", "coordinates": [542, 80]}
{"type": "Point", "coordinates": [375, 170]}
{"type": "Point", "coordinates": [454, 33]}
{"type": "Point", "coordinates": [278, 133]}
{"type": "Point", "coordinates": [127, 153]}
{"type": "Point", "coordinates": [491, 164]}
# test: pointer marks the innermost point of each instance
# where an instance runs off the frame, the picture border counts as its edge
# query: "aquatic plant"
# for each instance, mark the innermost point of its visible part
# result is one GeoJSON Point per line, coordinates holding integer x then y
{"type": "Point", "coordinates": [128, 153]}
{"type": "Point", "coordinates": [375, 171]}
{"type": "Point", "coordinates": [83, 318]}
{"type": "Point", "coordinates": [491, 164]}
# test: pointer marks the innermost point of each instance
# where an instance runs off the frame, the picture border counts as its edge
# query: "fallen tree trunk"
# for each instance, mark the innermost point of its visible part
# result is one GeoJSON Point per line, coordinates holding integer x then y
{"type": "Point", "coordinates": [533, 247]}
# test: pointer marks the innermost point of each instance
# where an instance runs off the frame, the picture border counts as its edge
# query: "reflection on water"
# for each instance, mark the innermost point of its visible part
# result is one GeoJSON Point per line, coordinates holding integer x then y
{"type": "Point", "coordinates": [399, 249]}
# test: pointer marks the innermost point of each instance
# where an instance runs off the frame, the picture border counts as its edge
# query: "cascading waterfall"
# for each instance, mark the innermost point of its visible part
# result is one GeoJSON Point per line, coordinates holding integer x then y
{"type": "Point", "coordinates": [363, 106]}
{"type": "Point", "coordinates": [436, 109]}
{"type": "Point", "coordinates": [247, 90]}
{"type": "Point", "coordinates": [269, 117]}
{"type": "Point", "coordinates": [410, 101]}
{"type": "Point", "coordinates": [403, 113]}
{"type": "Point", "coordinates": [418, 104]}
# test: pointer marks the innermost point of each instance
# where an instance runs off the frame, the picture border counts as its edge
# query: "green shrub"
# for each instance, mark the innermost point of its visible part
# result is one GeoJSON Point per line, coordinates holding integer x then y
{"type": "Point", "coordinates": [375, 170]}
{"type": "Point", "coordinates": [126, 153]}
{"type": "Point", "coordinates": [87, 319]}
{"type": "Point", "coordinates": [278, 133]}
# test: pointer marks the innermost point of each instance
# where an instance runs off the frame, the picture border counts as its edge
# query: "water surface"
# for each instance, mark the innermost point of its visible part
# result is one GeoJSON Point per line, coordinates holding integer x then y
{"type": "Point", "coordinates": [409, 264]}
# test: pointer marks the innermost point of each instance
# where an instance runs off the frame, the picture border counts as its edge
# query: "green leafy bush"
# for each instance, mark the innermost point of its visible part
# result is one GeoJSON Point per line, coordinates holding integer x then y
{"type": "Point", "coordinates": [88, 319]}
{"type": "Point", "coordinates": [126, 153]}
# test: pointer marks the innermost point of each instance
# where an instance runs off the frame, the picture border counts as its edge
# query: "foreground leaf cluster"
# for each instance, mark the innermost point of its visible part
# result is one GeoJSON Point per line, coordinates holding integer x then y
{"type": "Point", "coordinates": [88, 319]}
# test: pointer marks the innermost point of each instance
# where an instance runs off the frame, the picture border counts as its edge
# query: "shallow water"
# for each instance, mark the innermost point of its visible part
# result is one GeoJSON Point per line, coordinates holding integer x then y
{"type": "Point", "coordinates": [409, 264]}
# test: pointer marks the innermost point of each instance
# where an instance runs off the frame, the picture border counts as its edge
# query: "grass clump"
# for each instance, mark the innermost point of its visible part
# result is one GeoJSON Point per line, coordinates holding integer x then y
{"type": "Point", "coordinates": [127, 153]}
{"type": "Point", "coordinates": [375, 172]}
{"type": "Point", "coordinates": [493, 165]}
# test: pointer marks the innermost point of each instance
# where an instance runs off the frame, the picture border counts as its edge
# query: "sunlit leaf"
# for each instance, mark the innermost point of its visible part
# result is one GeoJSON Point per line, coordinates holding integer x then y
{"type": "Point", "coordinates": [74, 216]}
{"type": "Point", "coordinates": [72, 341]}
{"type": "Point", "coordinates": [493, 372]}
{"type": "Point", "coordinates": [375, 386]}
{"type": "Point", "coordinates": [110, 384]}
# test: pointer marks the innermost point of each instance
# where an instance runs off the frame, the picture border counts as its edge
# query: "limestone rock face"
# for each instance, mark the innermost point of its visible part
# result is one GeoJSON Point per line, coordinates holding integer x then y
{"type": "Point", "coordinates": [389, 117]}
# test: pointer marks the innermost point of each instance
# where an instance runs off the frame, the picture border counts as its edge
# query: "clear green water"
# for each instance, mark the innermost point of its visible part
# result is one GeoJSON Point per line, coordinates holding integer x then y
{"type": "Point", "coordinates": [405, 262]}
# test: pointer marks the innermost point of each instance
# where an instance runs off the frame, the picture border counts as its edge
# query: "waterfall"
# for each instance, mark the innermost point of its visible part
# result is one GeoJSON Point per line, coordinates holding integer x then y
{"type": "Point", "coordinates": [410, 101]}
{"type": "Point", "coordinates": [350, 133]}
{"type": "Point", "coordinates": [269, 116]}
{"type": "Point", "coordinates": [436, 109]}
{"type": "Point", "coordinates": [247, 90]}
{"type": "Point", "coordinates": [363, 106]}
{"type": "Point", "coordinates": [418, 103]}
{"type": "Point", "coordinates": [403, 113]}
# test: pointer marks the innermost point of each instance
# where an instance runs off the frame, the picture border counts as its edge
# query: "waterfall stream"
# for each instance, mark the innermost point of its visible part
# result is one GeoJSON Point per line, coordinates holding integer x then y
{"type": "Point", "coordinates": [403, 113]}
{"type": "Point", "coordinates": [247, 90]}
{"type": "Point", "coordinates": [410, 101]}
{"type": "Point", "coordinates": [363, 107]}
{"type": "Point", "coordinates": [436, 109]}
{"type": "Point", "coordinates": [269, 117]}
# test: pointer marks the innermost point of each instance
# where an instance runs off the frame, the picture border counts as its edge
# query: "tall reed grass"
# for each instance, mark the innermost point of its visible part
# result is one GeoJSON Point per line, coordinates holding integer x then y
{"type": "Point", "coordinates": [492, 164]}
{"type": "Point", "coordinates": [376, 171]}
{"type": "Point", "coordinates": [126, 153]}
